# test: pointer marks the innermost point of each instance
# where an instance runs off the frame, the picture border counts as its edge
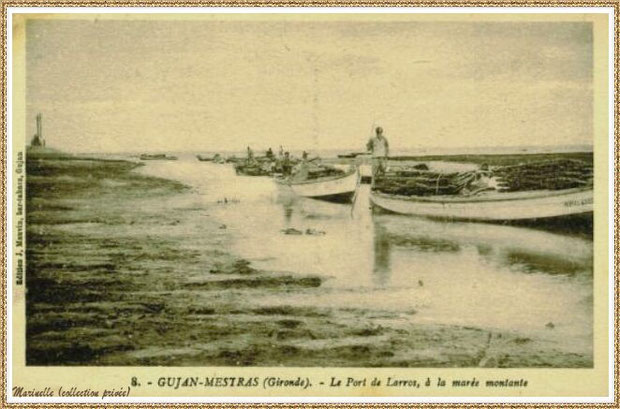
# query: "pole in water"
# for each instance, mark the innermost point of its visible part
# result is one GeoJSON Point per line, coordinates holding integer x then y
{"type": "Point", "coordinates": [357, 186]}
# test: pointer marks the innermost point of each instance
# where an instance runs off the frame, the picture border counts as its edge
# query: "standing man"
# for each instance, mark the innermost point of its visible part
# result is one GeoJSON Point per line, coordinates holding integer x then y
{"type": "Point", "coordinates": [379, 147]}
{"type": "Point", "coordinates": [286, 164]}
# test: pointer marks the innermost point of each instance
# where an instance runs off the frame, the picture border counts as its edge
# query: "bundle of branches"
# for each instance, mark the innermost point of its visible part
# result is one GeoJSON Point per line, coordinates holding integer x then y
{"type": "Point", "coordinates": [324, 171]}
{"type": "Point", "coordinates": [422, 183]}
{"type": "Point", "coordinates": [252, 169]}
{"type": "Point", "coordinates": [555, 174]}
{"type": "Point", "coordinates": [408, 170]}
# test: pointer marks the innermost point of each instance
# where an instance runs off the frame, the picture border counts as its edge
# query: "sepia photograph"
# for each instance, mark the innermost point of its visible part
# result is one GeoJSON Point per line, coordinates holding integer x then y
{"type": "Point", "coordinates": [311, 191]}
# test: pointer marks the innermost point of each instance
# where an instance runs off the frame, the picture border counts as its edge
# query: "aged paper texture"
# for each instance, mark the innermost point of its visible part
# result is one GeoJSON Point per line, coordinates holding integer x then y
{"type": "Point", "coordinates": [344, 205]}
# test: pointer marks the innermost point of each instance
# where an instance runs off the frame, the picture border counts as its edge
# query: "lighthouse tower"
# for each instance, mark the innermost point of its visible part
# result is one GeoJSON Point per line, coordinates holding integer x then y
{"type": "Point", "coordinates": [37, 139]}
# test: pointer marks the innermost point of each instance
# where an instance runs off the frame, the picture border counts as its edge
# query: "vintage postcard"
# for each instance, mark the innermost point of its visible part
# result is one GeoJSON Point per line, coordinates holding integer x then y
{"type": "Point", "coordinates": [330, 205]}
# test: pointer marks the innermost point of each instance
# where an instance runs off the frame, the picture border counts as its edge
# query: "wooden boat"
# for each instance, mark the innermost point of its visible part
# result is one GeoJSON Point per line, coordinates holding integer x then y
{"type": "Point", "coordinates": [252, 169]}
{"type": "Point", "coordinates": [491, 206]}
{"type": "Point", "coordinates": [350, 155]}
{"type": "Point", "coordinates": [217, 158]}
{"type": "Point", "coordinates": [340, 188]}
{"type": "Point", "coordinates": [157, 156]}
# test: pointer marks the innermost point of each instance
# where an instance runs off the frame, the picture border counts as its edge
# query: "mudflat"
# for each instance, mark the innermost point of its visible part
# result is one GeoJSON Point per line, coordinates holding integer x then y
{"type": "Point", "coordinates": [121, 270]}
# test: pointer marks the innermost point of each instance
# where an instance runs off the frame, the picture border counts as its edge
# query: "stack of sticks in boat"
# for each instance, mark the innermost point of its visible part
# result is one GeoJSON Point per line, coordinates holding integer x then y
{"type": "Point", "coordinates": [253, 169]}
{"type": "Point", "coordinates": [555, 174]}
{"type": "Point", "coordinates": [545, 175]}
{"type": "Point", "coordinates": [421, 182]}
{"type": "Point", "coordinates": [324, 171]}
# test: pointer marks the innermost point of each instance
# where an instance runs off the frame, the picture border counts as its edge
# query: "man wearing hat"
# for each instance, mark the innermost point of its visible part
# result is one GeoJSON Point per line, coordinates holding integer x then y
{"type": "Point", "coordinates": [379, 147]}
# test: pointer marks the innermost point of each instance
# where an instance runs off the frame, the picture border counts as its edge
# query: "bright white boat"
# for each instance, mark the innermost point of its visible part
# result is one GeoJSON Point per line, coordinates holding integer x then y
{"type": "Point", "coordinates": [491, 206]}
{"type": "Point", "coordinates": [340, 188]}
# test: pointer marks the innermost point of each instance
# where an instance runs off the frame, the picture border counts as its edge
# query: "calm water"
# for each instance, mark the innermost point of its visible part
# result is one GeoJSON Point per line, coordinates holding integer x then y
{"type": "Point", "coordinates": [481, 275]}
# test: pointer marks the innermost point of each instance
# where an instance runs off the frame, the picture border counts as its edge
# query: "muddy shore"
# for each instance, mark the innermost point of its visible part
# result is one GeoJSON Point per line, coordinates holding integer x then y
{"type": "Point", "coordinates": [121, 270]}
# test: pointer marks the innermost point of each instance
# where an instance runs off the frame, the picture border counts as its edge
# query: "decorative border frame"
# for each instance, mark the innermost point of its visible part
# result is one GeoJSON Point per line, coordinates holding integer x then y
{"type": "Point", "coordinates": [4, 49]}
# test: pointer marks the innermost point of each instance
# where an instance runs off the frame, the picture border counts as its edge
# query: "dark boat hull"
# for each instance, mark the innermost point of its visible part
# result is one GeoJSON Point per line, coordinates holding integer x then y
{"type": "Point", "coordinates": [345, 197]}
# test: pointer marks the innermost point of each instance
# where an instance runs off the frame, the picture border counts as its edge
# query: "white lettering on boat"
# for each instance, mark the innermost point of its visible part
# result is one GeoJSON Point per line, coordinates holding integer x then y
{"type": "Point", "coordinates": [572, 203]}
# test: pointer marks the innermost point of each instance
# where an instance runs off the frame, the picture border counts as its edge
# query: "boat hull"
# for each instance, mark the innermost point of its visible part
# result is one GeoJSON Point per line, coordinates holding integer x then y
{"type": "Point", "coordinates": [491, 207]}
{"type": "Point", "coordinates": [366, 173]}
{"type": "Point", "coordinates": [340, 189]}
{"type": "Point", "coordinates": [345, 197]}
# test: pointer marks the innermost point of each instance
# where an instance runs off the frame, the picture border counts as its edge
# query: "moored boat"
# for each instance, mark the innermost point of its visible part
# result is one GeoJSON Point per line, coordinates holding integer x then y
{"type": "Point", "coordinates": [338, 188]}
{"type": "Point", "coordinates": [217, 158]}
{"type": "Point", "coordinates": [491, 206]}
{"type": "Point", "coordinates": [254, 168]}
{"type": "Point", "coordinates": [350, 155]}
{"type": "Point", "coordinates": [157, 156]}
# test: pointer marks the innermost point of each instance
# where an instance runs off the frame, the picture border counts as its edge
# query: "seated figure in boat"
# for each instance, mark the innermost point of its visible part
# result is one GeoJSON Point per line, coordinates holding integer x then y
{"type": "Point", "coordinates": [268, 166]}
{"type": "Point", "coordinates": [482, 181]}
{"type": "Point", "coordinates": [285, 164]}
{"type": "Point", "coordinates": [306, 168]}
{"type": "Point", "coordinates": [302, 169]}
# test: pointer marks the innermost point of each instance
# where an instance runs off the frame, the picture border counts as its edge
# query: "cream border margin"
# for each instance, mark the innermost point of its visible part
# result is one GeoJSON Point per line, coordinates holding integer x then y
{"type": "Point", "coordinates": [613, 156]}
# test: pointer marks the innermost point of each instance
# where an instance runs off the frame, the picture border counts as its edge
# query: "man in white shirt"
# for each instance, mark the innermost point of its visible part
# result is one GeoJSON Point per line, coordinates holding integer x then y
{"type": "Point", "coordinates": [380, 148]}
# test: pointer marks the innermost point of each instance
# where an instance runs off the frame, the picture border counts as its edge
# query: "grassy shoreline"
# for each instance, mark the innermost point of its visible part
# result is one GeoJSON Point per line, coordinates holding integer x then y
{"type": "Point", "coordinates": [122, 269]}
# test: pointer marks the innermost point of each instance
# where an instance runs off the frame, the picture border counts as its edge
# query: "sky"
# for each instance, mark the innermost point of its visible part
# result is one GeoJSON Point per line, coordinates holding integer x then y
{"type": "Point", "coordinates": [220, 85]}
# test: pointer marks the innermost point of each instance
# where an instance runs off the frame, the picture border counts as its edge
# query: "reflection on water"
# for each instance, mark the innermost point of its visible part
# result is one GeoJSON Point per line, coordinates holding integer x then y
{"type": "Point", "coordinates": [484, 275]}
{"type": "Point", "coordinates": [423, 242]}
{"type": "Point", "coordinates": [288, 213]}
{"type": "Point", "coordinates": [382, 252]}
{"type": "Point", "coordinates": [531, 262]}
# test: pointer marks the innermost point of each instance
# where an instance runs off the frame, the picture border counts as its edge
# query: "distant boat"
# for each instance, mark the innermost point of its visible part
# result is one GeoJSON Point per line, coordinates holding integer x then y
{"type": "Point", "coordinates": [157, 156]}
{"type": "Point", "coordinates": [252, 169]}
{"type": "Point", "coordinates": [491, 206]}
{"type": "Point", "coordinates": [350, 155]}
{"type": "Point", "coordinates": [340, 188]}
{"type": "Point", "coordinates": [217, 158]}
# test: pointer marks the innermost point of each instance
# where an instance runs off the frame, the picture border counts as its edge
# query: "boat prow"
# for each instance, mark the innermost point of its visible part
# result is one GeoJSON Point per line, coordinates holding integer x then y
{"type": "Point", "coordinates": [491, 206]}
{"type": "Point", "coordinates": [338, 189]}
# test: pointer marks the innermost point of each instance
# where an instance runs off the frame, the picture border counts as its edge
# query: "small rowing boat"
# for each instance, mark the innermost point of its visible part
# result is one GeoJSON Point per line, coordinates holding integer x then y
{"type": "Point", "coordinates": [157, 156]}
{"type": "Point", "coordinates": [215, 159]}
{"type": "Point", "coordinates": [338, 188]}
{"type": "Point", "coordinates": [491, 206]}
{"type": "Point", "coordinates": [350, 155]}
{"type": "Point", "coordinates": [253, 169]}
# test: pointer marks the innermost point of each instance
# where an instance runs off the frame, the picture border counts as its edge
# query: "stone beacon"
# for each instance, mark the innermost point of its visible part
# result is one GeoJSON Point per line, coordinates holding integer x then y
{"type": "Point", "coordinates": [38, 140]}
